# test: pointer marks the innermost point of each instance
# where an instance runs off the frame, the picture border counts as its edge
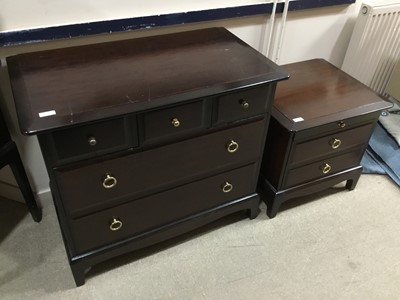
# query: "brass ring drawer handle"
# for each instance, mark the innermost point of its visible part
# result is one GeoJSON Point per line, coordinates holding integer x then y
{"type": "Point", "coordinates": [232, 146]}
{"type": "Point", "coordinates": [109, 181]}
{"type": "Point", "coordinates": [92, 141]}
{"type": "Point", "coordinates": [326, 168]}
{"type": "Point", "coordinates": [244, 104]}
{"type": "Point", "coordinates": [341, 124]}
{"type": "Point", "coordinates": [175, 122]}
{"type": "Point", "coordinates": [115, 224]}
{"type": "Point", "coordinates": [335, 143]}
{"type": "Point", "coordinates": [227, 187]}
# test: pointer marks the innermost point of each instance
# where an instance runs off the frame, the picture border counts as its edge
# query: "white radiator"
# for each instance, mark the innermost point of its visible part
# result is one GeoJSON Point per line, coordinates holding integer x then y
{"type": "Point", "coordinates": [374, 48]}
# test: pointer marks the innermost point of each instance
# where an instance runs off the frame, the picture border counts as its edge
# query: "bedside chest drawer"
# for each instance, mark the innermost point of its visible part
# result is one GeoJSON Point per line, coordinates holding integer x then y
{"type": "Point", "coordinates": [175, 120]}
{"type": "Point", "coordinates": [160, 209]}
{"type": "Point", "coordinates": [101, 185]}
{"type": "Point", "coordinates": [242, 105]}
{"type": "Point", "coordinates": [95, 139]}
{"type": "Point", "coordinates": [311, 150]}
{"type": "Point", "coordinates": [323, 168]}
{"type": "Point", "coordinates": [337, 126]}
{"type": "Point", "coordinates": [322, 120]}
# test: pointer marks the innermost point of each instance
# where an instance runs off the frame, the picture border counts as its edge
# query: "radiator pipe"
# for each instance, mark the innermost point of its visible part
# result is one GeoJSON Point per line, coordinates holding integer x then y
{"type": "Point", "coordinates": [271, 30]}
{"type": "Point", "coordinates": [282, 33]}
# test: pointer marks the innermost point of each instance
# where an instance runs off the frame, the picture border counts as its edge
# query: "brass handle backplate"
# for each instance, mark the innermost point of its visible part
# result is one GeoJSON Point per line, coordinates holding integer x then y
{"type": "Point", "coordinates": [175, 122]}
{"type": "Point", "coordinates": [341, 124]}
{"type": "Point", "coordinates": [109, 181]}
{"type": "Point", "coordinates": [227, 187]}
{"type": "Point", "coordinates": [326, 168]}
{"type": "Point", "coordinates": [232, 146]}
{"type": "Point", "coordinates": [115, 224]}
{"type": "Point", "coordinates": [92, 141]}
{"type": "Point", "coordinates": [244, 103]}
{"type": "Point", "coordinates": [335, 143]}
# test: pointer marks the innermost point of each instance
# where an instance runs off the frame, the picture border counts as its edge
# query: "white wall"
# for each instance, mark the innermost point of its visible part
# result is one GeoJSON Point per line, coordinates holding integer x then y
{"type": "Point", "coordinates": [323, 33]}
{"type": "Point", "coordinates": [314, 33]}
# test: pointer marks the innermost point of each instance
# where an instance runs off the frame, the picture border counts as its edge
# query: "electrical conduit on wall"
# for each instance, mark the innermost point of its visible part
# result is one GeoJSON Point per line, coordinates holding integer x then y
{"type": "Point", "coordinates": [275, 35]}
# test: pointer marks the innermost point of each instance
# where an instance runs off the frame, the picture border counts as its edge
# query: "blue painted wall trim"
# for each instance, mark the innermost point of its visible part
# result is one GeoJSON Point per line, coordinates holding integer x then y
{"type": "Point", "coordinates": [85, 29]}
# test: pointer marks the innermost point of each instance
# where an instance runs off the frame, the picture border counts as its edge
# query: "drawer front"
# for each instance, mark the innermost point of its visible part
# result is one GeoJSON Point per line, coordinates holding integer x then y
{"type": "Point", "coordinates": [335, 127]}
{"type": "Point", "coordinates": [95, 139]}
{"type": "Point", "coordinates": [243, 104]}
{"type": "Point", "coordinates": [323, 168]}
{"type": "Point", "coordinates": [175, 120]}
{"type": "Point", "coordinates": [91, 188]}
{"type": "Point", "coordinates": [312, 150]}
{"type": "Point", "coordinates": [160, 209]}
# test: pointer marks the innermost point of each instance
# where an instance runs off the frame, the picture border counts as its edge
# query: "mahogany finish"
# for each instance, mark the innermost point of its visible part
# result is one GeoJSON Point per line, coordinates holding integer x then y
{"type": "Point", "coordinates": [146, 139]}
{"type": "Point", "coordinates": [309, 150]}
{"type": "Point", "coordinates": [321, 122]}
{"type": "Point", "coordinates": [179, 162]}
{"type": "Point", "coordinates": [189, 117]}
{"type": "Point", "coordinates": [172, 205]}
{"type": "Point", "coordinates": [105, 80]}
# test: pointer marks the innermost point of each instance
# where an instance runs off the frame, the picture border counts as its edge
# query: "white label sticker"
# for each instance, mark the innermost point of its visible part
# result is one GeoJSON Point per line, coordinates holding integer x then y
{"type": "Point", "coordinates": [299, 119]}
{"type": "Point", "coordinates": [47, 113]}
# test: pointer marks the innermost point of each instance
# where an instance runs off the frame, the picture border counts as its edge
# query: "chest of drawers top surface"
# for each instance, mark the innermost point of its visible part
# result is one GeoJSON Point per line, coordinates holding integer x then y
{"type": "Point", "coordinates": [64, 87]}
{"type": "Point", "coordinates": [318, 93]}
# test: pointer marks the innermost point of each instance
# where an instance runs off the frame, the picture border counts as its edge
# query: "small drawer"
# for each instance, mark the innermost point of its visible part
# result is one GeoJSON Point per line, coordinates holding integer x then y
{"type": "Point", "coordinates": [104, 184]}
{"type": "Point", "coordinates": [177, 120]}
{"type": "Point", "coordinates": [160, 209]}
{"type": "Point", "coordinates": [94, 139]}
{"type": "Point", "coordinates": [342, 140]}
{"type": "Point", "coordinates": [242, 104]}
{"type": "Point", "coordinates": [337, 126]}
{"type": "Point", "coordinates": [323, 168]}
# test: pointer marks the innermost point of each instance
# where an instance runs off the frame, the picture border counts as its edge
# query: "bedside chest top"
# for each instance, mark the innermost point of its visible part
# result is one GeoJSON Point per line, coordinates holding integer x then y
{"type": "Point", "coordinates": [64, 87]}
{"type": "Point", "coordinates": [318, 93]}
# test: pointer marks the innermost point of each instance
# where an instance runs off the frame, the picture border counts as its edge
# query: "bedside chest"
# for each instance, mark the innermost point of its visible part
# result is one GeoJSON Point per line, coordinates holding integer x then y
{"type": "Point", "coordinates": [321, 122]}
{"type": "Point", "coordinates": [148, 138]}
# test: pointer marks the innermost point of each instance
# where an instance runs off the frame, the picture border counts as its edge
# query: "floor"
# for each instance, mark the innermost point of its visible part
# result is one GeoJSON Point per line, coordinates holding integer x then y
{"type": "Point", "coordinates": [334, 245]}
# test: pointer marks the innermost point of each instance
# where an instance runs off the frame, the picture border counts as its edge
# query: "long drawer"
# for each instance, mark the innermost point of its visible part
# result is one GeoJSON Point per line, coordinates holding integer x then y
{"type": "Point", "coordinates": [98, 186]}
{"type": "Point", "coordinates": [160, 209]}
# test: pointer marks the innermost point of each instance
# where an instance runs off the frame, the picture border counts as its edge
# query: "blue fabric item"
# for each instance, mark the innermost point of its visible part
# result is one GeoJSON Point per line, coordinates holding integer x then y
{"type": "Point", "coordinates": [370, 165]}
{"type": "Point", "coordinates": [382, 153]}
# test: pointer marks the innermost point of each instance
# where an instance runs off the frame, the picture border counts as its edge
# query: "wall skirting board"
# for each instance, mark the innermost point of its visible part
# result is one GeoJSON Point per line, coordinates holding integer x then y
{"type": "Point", "coordinates": [10, 191]}
{"type": "Point", "coordinates": [8, 186]}
{"type": "Point", "coordinates": [35, 35]}
{"type": "Point", "coordinates": [44, 197]}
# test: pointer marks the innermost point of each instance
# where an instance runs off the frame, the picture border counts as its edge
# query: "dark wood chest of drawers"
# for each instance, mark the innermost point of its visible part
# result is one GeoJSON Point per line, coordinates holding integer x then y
{"type": "Point", "coordinates": [321, 122]}
{"type": "Point", "coordinates": [146, 139]}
